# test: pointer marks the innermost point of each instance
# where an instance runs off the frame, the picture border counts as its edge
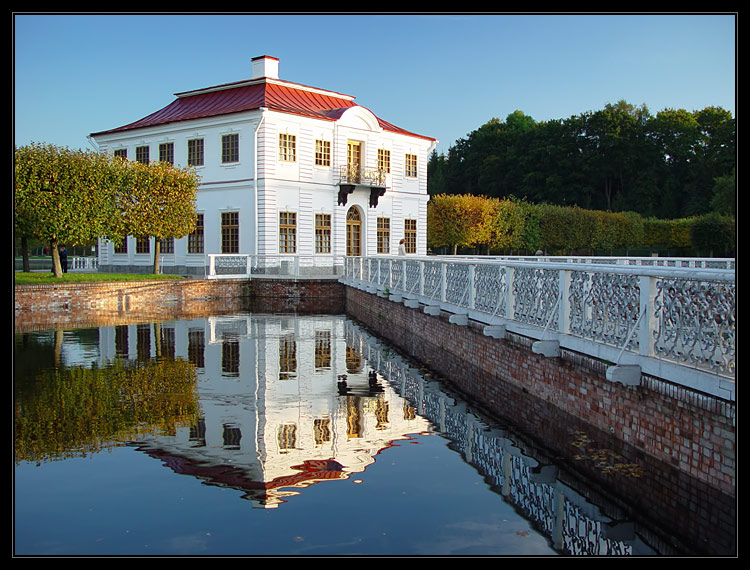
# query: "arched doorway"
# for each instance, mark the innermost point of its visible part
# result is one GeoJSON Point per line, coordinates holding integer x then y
{"type": "Point", "coordinates": [353, 232]}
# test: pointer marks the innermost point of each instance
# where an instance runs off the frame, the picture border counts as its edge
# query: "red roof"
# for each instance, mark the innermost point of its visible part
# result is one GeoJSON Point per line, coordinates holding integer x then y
{"type": "Point", "coordinates": [279, 96]}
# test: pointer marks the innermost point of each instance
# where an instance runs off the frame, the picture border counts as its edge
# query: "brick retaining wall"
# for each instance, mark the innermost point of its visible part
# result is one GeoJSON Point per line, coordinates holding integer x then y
{"type": "Point", "coordinates": [91, 304]}
{"type": "Point", "coordinates": [692, 432]}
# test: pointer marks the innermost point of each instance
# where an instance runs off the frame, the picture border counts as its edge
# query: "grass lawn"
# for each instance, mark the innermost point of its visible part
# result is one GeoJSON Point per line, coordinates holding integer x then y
{"type": "Point", "coordinates": [47, 277]}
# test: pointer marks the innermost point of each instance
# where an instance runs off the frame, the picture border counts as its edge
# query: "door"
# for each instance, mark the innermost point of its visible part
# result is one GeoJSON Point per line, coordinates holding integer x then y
{"type": "Point", "coordinates": [353, 232]}
{"type": "Point", "coordinates": [353, 161]}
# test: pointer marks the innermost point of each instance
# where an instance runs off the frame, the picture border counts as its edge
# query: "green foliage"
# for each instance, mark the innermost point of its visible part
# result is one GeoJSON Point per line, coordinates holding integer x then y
{"type": "Point", "coordinates": [619, 158]}
{"type": "Point", "coordinates": [63, 196]}
{"type": "Point", "coordinates": [714, 234]}
{"type": "Point", "coordinates": [518, 225]}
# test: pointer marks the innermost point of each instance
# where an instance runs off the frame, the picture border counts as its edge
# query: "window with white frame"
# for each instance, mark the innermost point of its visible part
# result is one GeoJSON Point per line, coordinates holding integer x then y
{"type": "Point", "coordinates": [384, 160]}
{"type": "Point", "coordinates": [322, 153]}
{"type": "Point", "coordinates": [230, 232]}
{"type": "Point", "coordinates": [195, 152]}
{"type": "Point", "coordinates": [287, 232]}
{"type": "Point", "coordinates": [287, 147]}
{"type": "Point", "coordinates": [322, 233]}
{"type": "Point", "coordinates": [195, 238]}
{"type": "Point", "coordinates": [166, 152]}
{"type": "Point", "coordinates": [411, 166]}
{"type": "Point", "coordinates": [230, 148]}
{"type": "Point", "coordinates": [142, 154]}
{"type": "Point", "coordinates": [384, 235]}
{"type": "Point", "coordinates": [410, 236]}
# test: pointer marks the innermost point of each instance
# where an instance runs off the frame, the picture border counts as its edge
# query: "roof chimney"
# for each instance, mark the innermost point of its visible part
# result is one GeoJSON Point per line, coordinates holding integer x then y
{"type": "Point", "coordinates": [265, 66]}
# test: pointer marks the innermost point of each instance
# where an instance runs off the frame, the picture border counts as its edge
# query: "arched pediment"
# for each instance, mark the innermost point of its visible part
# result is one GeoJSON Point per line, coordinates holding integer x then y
{"type": "Point", "coordinates": [359, 118]}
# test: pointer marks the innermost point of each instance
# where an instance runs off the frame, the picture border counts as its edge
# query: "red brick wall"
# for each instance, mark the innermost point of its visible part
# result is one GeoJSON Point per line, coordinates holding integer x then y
{"type": "Point", "coordinates": [692, 432]}
{"type": "Point", "coordinates": [91, 304]}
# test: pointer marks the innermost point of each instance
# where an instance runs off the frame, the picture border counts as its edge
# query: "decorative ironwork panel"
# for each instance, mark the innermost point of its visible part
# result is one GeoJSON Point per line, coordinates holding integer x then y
{"type": "Point", "coordinates": [457, 285]}
{"type": "Point", "coordinates": [412, 276]}
{"type": "Point", "coordinates": [397, 274]}
{"type": "Point", "coordinates": [696, 323]}
{"type": "Point", "coordinates": [432, 279]}
{"type": "Point", "coordinates": [604, 307]}
{"type": "Point", "coordinates": [490, 289]}
{"type": "Point", "coordinates": [231, 265]}
{"type": "Point", "coordinates": [536, 293]}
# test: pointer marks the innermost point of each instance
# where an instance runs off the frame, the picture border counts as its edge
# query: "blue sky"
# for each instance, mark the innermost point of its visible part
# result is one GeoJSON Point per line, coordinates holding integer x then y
{"type": "Point", "coordinates": [440, 75]}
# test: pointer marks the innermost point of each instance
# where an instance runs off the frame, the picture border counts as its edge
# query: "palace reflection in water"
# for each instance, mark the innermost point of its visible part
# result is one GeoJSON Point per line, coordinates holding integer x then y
{"type": "Point", "coordinates": [279, 403]}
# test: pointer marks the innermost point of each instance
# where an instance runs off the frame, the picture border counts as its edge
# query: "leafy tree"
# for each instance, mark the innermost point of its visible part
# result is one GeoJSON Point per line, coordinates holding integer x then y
{"type": "Point", "coordinates": [157, 199]}
{"type": "Point", "coordinates": [459, 220]}
{"type": "Point", "coordinates": [63, 196]}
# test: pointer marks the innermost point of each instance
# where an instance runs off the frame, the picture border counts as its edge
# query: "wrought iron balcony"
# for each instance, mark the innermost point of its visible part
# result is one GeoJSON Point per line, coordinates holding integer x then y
{"type": "Point", "coordinates": [361, 176]}
{"type": "Point", "coordinates": [351, 177]}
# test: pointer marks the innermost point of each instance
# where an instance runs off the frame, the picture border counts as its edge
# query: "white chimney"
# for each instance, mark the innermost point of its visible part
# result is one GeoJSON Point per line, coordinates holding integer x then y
{"type": "Point", "coordinates": [265, 66]}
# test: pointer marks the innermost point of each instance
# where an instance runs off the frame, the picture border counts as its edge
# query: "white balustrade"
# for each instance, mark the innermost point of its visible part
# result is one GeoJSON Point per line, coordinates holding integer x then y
{"type": "Point", "coordinates": [236, 266]}
{"type": "Point", "coordinates": [670, 317]}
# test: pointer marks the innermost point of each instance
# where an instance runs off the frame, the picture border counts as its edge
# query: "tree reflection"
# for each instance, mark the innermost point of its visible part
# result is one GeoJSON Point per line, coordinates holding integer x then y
{"type": "Point", "coordinates": [68, 412]}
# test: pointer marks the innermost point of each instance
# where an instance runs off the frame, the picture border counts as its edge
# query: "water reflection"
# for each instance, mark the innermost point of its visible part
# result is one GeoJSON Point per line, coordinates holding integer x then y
{"type": "Point", "coordinates": [271, 406]}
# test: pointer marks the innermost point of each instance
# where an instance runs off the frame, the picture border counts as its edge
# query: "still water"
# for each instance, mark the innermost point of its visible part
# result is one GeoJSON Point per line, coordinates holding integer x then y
{"type": "Point", "coordinates": [256, 434]}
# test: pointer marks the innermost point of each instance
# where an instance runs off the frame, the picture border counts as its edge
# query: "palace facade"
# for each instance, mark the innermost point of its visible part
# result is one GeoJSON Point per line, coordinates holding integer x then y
{"type": "Point", "coordinates": [285, 169]}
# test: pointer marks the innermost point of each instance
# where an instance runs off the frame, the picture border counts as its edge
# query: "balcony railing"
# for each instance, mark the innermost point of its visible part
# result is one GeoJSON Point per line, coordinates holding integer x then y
{"type": "Point", "coordinates": [361, 176]}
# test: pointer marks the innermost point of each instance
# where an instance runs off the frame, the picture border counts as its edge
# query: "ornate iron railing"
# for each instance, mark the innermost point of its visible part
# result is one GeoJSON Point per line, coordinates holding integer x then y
{"type": "Point", "coordinates": [637, 315]}
{"type": "Point", "coordinates": [364, 176]}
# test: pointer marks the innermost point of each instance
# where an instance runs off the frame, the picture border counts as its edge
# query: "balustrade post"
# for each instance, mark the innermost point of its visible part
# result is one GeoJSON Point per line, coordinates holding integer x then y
{"type": "Point", "coordinates": [211, 265]}
{"type": "Point", "coordinates": [421, 278]}
{"type": "Point", "coordinates": [443, 280]}
{"type": "Point", "coordinates": [649, 319]}
{"type": "Point", "coordinates": [472, 285]}
{"type": "Point", "coordinates": [563, 317]}
{"type": "Point", "coordinates": [510, 297]}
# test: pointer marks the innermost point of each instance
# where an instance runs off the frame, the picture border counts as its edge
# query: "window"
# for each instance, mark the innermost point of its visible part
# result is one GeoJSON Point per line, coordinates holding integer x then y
{"type": "Point", "coordinates": [384, 235]}
{"type": "Point", "coordinates": [322, 350]}
{"type": "Point", "coordinates": [287, 357]}
{"type": "Point", "coordinates": [230, 232]}
{"type": "Point", "coordinates": [121, 153]}
{"type": "Point", "coordinates": [166, 245]}
{"type": "Point", "coordinates": [195, 238]}
{"type": "Point", "coordinates": [195, 152]}
{"type": "Point", "coordinates": [411, 165]}
{"type": "Point", "coordinates": [142, 244]}
{"type": "Point", "coordinates": [287, 232]}
{"type": "Point", "coordinates": [322, 233]}
{"type": "Point", "coordinates": [230, 148]}
{"type": "Point", "coordinates": [384, 160]}
{"type": "Point", "coordinates": [410, 235]}
{"type": "Point", "coordinates": [322, 153]}
{"type": "Point", "coordinates": [122, 246]}
{"type": "Point", "coordinates": [166, 152]}
{"type": "Point", "coordinates": [287, 147]}
{"type": "Point", "coordinates": [141, 154]}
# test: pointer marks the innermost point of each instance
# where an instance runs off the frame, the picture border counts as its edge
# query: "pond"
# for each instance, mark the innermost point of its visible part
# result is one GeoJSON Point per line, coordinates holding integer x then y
{"type": "Point", "coordinates": [284, 435]}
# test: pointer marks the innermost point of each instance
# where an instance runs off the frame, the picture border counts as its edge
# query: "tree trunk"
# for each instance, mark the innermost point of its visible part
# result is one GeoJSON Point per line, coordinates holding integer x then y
{"type": "Point", "coordinates": [25, 254]}
{"type": "Point", "coordinates": [56, 265]}
{"type": "Point", "coordinates": [157, 253]}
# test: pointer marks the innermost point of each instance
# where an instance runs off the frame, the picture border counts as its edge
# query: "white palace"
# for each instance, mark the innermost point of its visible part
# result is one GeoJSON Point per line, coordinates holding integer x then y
{"type": "Point", "coordinates": [285, 170]}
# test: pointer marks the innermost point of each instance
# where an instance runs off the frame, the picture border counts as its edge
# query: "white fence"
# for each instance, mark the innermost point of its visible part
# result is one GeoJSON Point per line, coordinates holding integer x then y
{"type": "Point", "coordinates": [235, 266]}
{"type": "Point", "coordinates": [671, 318]}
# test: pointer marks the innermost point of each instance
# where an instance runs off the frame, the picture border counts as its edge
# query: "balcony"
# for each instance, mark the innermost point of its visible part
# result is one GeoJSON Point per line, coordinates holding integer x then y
{"type": "Point", "coordinates": [352, 177]}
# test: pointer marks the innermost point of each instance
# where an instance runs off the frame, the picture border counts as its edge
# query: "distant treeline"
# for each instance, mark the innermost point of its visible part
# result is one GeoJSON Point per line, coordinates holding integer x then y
{"type": "Point", "coordinates": [482, 224]}
{"type": "Point", "coordinates": [672, 165]}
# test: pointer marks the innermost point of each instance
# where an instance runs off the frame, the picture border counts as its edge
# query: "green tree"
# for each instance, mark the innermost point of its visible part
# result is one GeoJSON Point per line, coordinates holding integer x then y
{"type": "Point", "coordinates": [63, 196]}
{"type": "Point", "coordinates": [157, 199]}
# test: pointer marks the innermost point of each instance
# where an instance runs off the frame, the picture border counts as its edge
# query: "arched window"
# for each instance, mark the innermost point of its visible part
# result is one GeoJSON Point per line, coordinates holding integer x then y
{"type": "Point", "coordinates": [353, 232]}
